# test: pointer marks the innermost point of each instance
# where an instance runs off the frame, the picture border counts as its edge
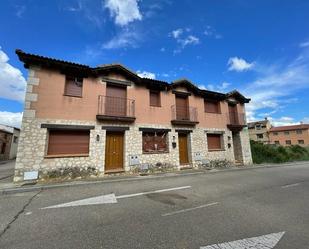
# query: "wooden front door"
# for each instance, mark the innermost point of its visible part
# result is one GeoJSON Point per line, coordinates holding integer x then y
{"type": "Point", "coordinates": [183, 148]}
{"type": "Point", "coordinates": [116, 101]}
{"type": "Point", "coordinates": [182, 109]}
{"type": "Point", "coordinates": [114, 151]}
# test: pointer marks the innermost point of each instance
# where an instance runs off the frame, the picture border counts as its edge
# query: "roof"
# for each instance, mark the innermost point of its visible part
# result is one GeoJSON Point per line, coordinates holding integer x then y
{"type": "Point", "coordinates": [290, 127]}
{"type": "Point", "coordinates": [253, 124]}
{"type": "Point", "coordinates": [85, 71]}
{"type": "Point", "coordinates": [238, 96]}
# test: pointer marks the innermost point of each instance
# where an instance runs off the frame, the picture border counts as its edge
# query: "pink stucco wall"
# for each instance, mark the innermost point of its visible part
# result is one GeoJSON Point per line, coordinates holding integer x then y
{"type": "Point", "coordinates": [53, 104]}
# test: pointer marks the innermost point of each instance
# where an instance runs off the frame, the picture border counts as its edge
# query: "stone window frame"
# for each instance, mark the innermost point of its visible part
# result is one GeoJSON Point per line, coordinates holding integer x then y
{"type": "Point", "coordinates": [301, 141]}
{"type": "Point", "coordinates": [156, 151]}
{"type": "Point", "coordinates": [221, 133]}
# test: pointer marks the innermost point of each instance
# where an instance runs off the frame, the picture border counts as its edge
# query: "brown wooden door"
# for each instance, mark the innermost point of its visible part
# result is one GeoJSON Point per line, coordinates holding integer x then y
{"type": "Point", "coordinates": [183, 148]}
{"type": "Point", "coordinates": [182, 111]}
{"type": "Point", "coordinates": [114, 151]}
{"type": "Point", "coordinates": [233, 114]}
{"type": "Point", "coordinates": [116, 102]}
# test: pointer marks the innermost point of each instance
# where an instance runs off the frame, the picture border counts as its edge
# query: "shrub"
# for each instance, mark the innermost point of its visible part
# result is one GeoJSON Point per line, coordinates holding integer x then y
{"type": "Point", "coordinates": [267, 153]}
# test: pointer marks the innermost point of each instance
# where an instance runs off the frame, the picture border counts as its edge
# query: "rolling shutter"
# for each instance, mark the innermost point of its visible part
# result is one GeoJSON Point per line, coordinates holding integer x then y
{"type": "Point", "coordinates": [211, 106]}
{"type": "Point", "coordinates": [73, 86]}
{"type": "Point", "coordinates": [214, 141]}
{"type": "Point", "coordinates": [154, 98]}
{"type": "Point", "coordinates": [68, 142]}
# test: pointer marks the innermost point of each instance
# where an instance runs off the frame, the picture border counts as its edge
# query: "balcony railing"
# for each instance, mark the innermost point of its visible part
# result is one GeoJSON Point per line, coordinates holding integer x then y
{"type": "Point", "coordinates": [184, 115]}
{"type": "Point", "coordinates": [114, 108]}
{"type": "Point", "coordinates": [237, 120]}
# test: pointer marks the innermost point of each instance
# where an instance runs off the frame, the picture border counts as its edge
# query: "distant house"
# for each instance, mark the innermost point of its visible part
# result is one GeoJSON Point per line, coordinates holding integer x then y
{"type": "Point", "coordinates": [259, 131]}
{"type": "Point", "coordinates": [110, 119]}
{"type": "Point", "coordinates": [9, 137]}
{"type": "Point", "coordinates": [290, 135]}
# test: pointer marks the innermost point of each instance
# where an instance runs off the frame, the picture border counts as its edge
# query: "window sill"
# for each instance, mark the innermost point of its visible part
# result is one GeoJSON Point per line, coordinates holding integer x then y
{"type": "Point", "coordinates": [213, 112]}
{"type": "Point", "coordinates": [75, 96]}
{"type": "Point", "coordinates": [155, 106]}
{"type": "Point", "coordinates": [155, 152]}
{"type": "Point", "coordinates": [66, 155]}
{"type": "Point", "coordinates": [214, 150]}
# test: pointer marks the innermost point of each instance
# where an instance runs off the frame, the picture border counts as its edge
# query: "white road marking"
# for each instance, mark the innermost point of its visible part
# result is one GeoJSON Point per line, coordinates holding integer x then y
{"type": "Point", "coordinates": [290, 185]}
{"type": "Point", "coordinates": [103, 199]}
{"type": "Point", "coordinates": [111, 198]}
{"type": "Point", "coordinates": [267, 241]}
{"type": "Point", "coordinates": [190, 209]}
{"type": "Point", "coordinates": [152, 192]}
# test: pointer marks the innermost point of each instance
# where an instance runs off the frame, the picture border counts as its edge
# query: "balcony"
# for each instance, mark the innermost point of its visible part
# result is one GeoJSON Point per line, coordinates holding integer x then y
{"type": "Point", "coordinates": [184, 115]}
{"type": "Point", "coordinates": [116, 109]}
{"type": "Point", "coordinates": [236, 121]}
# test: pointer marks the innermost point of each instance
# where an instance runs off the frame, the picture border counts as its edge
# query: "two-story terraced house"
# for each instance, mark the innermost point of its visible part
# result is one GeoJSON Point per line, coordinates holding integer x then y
{"type": "Point", "coordinates": [109, 119]}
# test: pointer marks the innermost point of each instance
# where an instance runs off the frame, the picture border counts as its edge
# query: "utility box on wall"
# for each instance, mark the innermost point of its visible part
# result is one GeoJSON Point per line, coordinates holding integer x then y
{"type": "Point", "coordinates": [198, 156]}
{"type": "Point", "coordinates": [134, 160]}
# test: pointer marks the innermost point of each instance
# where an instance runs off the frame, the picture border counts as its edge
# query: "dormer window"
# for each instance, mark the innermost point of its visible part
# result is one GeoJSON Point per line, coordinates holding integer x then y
{"type": "Point", "coordinates": [73, 86]}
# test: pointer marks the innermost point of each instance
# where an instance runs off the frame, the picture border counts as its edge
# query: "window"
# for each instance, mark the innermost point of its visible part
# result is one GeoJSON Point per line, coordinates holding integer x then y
{"type": "Point", "coordinates": [277, 142]}
{"type": "Point", "coordinates": [258, 127]}
{"type": "Point", "coordinates": [259, 135]}
{"type": "Point", "coordinates": [15, 140]}
{"type": "Point", "coordinates": [154, 97]}
{"type": "Point", "coordinates": [3, 148]}
{"type": "Point", "coordinates": [286, 133]}
{"type": "Point", "coordinates": [275, 133]}
{"type": "Point", "coordinates": [68, 142]}
{"type": "Point", "coordinates": [288, 142]}
{"type": "Point", "coordinates": [212, 106]}
{"type": "Point", "coordinates": [299, 132]}
{"type": "Point", "coordinates": [73, 86]}
{"type": "Point", "coordinates": [214, 141]}
{"type": "Point", "coordinates": [155, 142]}
{"type": "Point", "coordinates": [301, 142]}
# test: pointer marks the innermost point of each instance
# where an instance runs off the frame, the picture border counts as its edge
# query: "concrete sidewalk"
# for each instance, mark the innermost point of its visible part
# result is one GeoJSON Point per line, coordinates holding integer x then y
{"type": "Point", "coordinates": [10, 187]}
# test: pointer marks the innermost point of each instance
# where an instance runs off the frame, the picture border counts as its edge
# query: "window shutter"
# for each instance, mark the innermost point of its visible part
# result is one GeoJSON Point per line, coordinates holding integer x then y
{"type": "Point", "coordinates": [214, 141]}
{"type": "Point", "coordinates": [211, 106]}
{"type": "Point", "coordinates": [154, 98]}
{"type": "Point", "coordinates": [73, 86]}
{"type": "Point", "coordinates": [68, 142]}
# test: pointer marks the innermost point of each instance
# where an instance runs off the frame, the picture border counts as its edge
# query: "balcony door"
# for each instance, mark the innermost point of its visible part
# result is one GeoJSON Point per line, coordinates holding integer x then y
{"type": "Point", "coordinates": [116, 100]}
{"type": "Point", "coordinates": [233, 114]}
{"type": "Point", "coordinates": [182, 108]}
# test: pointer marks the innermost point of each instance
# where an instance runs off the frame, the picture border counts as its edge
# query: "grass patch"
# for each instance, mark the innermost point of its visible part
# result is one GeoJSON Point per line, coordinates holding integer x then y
{"type": "Point", "coordinates": [266, 153]}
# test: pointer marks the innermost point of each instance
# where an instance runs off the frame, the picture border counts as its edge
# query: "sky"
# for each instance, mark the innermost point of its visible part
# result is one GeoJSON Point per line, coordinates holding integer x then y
{"type": "Point", "coordinates": [258, 47]}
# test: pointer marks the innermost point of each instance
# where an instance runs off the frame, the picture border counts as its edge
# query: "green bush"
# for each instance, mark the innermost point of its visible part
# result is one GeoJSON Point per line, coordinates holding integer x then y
{"type": "Point", "coordinates": [267, 153]}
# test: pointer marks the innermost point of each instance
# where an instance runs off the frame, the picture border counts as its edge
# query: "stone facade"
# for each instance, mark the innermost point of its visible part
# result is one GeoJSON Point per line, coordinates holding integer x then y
{"type": "Point", "coordinates": [34, 142]}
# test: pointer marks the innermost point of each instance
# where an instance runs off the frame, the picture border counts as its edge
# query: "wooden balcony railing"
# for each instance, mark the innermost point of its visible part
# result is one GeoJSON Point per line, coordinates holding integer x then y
{"type": "Point", "coordinates": [116, 109]}
{"type": "Point", "coordinates": [184, 115]}
{"type": "Point", "coordinates": [236, 121]}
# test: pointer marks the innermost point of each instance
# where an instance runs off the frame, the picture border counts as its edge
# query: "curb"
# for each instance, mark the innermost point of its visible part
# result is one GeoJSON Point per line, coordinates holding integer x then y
{"type": "Point", "coordinates": [137, 178]}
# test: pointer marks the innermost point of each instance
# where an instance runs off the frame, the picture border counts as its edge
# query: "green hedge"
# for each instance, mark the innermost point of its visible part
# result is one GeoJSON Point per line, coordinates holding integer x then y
{"type": "Point", "coordinates": [266, 153]}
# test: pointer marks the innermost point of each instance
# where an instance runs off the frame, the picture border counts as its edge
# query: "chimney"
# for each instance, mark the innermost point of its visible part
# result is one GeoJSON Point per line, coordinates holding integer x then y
{"type": "Point", "coordinates": [301, 122]}
{"type": "Point", "coordinates": [266, 119]}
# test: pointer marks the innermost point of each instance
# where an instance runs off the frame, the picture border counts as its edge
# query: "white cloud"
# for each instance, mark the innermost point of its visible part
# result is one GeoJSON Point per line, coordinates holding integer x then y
{"type": "Point", "coordinates": [124, 11]}
{"type": "Point", "coordinates": [211, 32]}
{"type": "Point", "coordinates": [124, 39]}
{"type": "Point", "coordinates": [306, 120]}
{"type": "Point", "coordinates": [12, 82]}
{"type": "Point", "coordinates": [273, 89]}
{"type": "Point", "coordinates": [11, 118]}
{"type": "Point", "coordinates": [183, 38]}
{"type": "Point", "coordinates": [239, 64]}
{"type": "Point", "coordinates": [282, 121]}
{"type": "Point", "coordinates": [304, 44]}
{"type": "Point", "coordinates": [218, 87]}
{"type": "Point", "coordinates": [191, 39]}
{"type": "Point", "coordinates": [145, 74]}
{"type": "Point", "coordinates": [176, 33]}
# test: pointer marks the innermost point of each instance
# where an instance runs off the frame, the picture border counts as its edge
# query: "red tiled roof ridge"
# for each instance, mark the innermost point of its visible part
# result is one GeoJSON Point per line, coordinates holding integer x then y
{"type": "Point", "coordinates": [290, 127]}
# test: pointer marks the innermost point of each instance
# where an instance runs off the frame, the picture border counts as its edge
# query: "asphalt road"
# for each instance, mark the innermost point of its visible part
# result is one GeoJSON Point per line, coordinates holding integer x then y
{"type": "Point", "coordinates": [209, 209]}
